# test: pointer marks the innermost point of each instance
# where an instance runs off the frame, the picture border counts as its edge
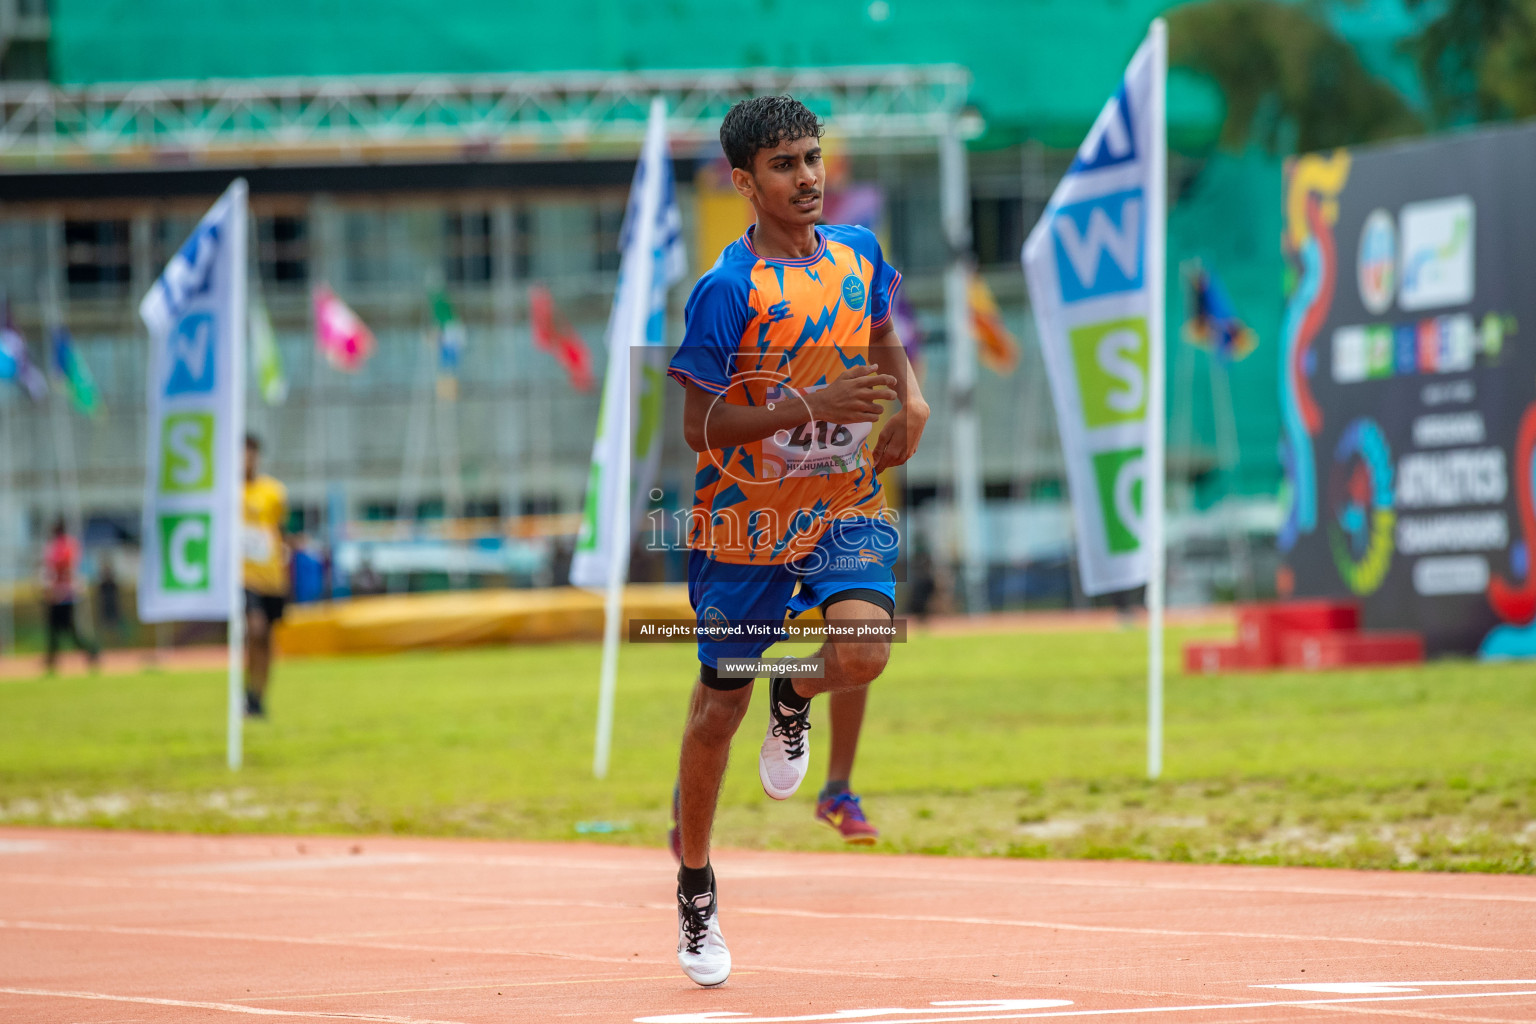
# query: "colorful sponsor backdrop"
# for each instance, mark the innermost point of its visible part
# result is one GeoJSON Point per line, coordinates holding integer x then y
{"type": "Point", "coordinates": [1408, 387]}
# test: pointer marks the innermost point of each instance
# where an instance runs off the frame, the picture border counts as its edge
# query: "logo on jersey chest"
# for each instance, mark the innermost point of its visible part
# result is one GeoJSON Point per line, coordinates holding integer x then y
{"type": "Point", "coordinates": [853, 292]}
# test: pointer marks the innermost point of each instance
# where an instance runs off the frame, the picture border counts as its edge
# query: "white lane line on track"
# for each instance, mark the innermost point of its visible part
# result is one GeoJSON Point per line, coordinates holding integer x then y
{"type": "Point", "coordinates": [814, 915]}
{"type": "Point", "coordinates": [192, 1004]}
{"type": "Point", "coordinates": [238, 888]}
{"type": "Point", "coordinates": [23, 845]}
{"type": "Point", "coordinates": [948, 1018]}
{"type": "Point", "coordinates": [640, 863]}
{"type": "Point", "coordinates": [769, 912]}
{"type": "Point", "coordinates": [426, 897]}
{"type": "Point", "coordinates": [1113, 929]}
{"type": "Point", "coordinates": [1402, 1011]}
{"type": "Point", "coordinates": [1084, 883]}
{"type": "Point", "coordinates": [289, 940]}
{"type": "Point", "coordinates": [342, 860]}
{"type": "Point", "coordinates": [1385, 987]}
{"type": "Point", "coordinates": [609, 979]}
{"type": "Point", "coordinates": [312, 891]}
{"type": "Point", "coordinates": [896, 875]}
{"type": "Point", "coordinates": [297, 940]}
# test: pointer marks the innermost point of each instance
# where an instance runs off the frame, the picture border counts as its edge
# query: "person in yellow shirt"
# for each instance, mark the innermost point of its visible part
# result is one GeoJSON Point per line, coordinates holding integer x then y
{"type": "Point", "coordinates": [266, 573]}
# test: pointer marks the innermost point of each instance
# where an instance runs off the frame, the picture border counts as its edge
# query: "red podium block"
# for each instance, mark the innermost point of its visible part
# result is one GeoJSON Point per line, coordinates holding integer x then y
{"type": "Point", "coordinates": [1311, 650]}
{"type": "Point", "coordinates": [1261, 627]}
{"type": "Point", "coordinates": [1213, 658]}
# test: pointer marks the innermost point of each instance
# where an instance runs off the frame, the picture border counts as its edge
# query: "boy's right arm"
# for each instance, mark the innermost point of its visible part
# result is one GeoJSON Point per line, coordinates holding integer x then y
{"type": "Point", "coordinates": [710, 422]}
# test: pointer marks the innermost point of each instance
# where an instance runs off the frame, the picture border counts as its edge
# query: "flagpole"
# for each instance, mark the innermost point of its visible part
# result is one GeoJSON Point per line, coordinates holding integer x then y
{"type": "Point", "coordinates": [954, 189]}
{"type": "Point", "coordinates": [66, 475]}
{"type": "Point", "coordinates": [630, 330]}
{"type": "Point", "coordinates": [234, 451]}
{"type": "Point", "coordinates": [1156, 471]}
{"type": "Point", "coordinates": [7, 529]}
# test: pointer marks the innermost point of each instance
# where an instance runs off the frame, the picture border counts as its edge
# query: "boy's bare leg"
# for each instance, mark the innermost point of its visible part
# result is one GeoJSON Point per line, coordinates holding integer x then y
{"type": "Point", "coordinates": [846, 708]}
{"type": "Point", "coordinates": [258, 661]}
{"type": "Point", "coordinates": [850, 664]}
{"type": "Point", "coordinates": [713, 717]}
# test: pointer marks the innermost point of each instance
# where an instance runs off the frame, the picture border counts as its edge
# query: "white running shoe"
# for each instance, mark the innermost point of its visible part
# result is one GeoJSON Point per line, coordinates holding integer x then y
{"type": "Point", "coordinates": [782, 762]}
{"type": "Point", "coordinates": [701, 948]}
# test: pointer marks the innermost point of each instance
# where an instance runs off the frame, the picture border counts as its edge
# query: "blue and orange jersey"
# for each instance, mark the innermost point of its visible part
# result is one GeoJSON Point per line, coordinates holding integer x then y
{"type": "Point", "coordinates": [760, 330]}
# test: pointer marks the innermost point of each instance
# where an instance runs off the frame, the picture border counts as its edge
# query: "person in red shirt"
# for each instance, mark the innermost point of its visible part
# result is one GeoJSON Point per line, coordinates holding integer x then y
{"type": "Point", "coordinates": [61, 571]}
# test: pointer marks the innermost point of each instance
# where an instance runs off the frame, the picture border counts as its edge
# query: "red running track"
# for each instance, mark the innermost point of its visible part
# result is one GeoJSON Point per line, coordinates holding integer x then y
{"type": "Point", "coordinates": [113, 927]}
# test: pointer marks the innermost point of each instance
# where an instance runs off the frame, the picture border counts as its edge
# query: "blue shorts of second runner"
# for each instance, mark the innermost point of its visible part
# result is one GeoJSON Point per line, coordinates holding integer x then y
{"type": "Point", "coordinates": [856, 554]}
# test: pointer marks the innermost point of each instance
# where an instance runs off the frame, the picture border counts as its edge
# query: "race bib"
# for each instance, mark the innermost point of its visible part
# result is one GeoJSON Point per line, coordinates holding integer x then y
{"type": "Point", "coordinates": [815, 447]}
{"type": "Point", "coordinates": [256, 543]}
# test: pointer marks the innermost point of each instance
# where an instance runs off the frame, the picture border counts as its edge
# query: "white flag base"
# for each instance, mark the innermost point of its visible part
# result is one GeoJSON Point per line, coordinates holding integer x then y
{"type": "Point", "coordinates": [235, 740]}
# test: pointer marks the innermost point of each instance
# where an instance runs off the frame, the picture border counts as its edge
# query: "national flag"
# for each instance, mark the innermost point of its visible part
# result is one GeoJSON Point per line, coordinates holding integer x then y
{"type": "Point", "coordinates": [996, 346]}
{"type": "Point", "coordinates": [15, 362]}
{"type": "Point", "coordinates": [450, 336]}
{"type": "Point", "coordinates": [69, 365]}
{"type": "Point", "coordinates": [1213, 323]}
{"type": "Point", "coordinates": [340, 334]}
{"type": "Point", "coordinates": [555, 335]}
{"type": "Point", "coordinates": [266, 360]}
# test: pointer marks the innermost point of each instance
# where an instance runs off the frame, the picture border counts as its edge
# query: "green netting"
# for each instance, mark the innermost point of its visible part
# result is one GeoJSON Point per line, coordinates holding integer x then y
{"type": "Point", "coordinates": [1042, 70]}
{"type": "Point", "coordinates": [1041, 66]}
{"type": "Point", "coordinates": [1229, 219]}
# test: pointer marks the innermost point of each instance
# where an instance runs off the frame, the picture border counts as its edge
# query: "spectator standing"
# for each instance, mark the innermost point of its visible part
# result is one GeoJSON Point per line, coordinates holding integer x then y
{"type": "Point", "coordinates": [109, 602]}
{"type": "Point", "coordinates": [61, 571]}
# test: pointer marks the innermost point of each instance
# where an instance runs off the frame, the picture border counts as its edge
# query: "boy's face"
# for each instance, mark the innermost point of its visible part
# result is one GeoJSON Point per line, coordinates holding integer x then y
{"type": "Point", "coordinates": [252, 458]}
{"type": "Point", "coordinates": [785, 182]}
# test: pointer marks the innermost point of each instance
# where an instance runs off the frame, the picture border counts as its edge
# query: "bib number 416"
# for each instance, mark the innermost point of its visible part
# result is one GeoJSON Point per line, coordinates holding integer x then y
{"type": "Point", "coordinates": [815, 447]}
{"type": "Point", "coordinates": [816, 433]}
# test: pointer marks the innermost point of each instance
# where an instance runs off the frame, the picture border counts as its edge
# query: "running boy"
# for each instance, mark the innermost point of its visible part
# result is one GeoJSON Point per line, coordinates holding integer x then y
{"type": "Point", "coordinates": [787, 352]}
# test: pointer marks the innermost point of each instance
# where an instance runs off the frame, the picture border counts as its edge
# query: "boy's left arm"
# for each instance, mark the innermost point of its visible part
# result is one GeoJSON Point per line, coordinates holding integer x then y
{"type": "Point", "coordinates": [902, 432]}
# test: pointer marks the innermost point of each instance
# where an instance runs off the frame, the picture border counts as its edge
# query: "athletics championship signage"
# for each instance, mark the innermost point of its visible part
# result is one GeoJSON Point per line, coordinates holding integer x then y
{"type": "Point", "coordinates": [1408, 386]}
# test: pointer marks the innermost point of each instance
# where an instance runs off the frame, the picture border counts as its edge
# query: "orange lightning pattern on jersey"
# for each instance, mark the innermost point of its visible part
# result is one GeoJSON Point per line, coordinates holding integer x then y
{"type": "Point", "coordinates": [763, 331]}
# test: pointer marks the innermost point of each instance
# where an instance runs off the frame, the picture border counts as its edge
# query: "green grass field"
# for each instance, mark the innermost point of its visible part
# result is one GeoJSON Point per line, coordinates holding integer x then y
{"type": "Point", "coordinates": [1021, 745]}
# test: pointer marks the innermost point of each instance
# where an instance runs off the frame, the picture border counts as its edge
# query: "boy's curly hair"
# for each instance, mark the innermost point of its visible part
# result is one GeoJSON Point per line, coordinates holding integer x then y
{"type": "Point", "coordinates": [762, 123]}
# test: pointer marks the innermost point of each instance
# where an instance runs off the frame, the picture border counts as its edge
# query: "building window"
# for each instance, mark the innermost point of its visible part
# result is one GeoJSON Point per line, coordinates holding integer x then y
{"type": "Point", "coordinates": [997, 230]}
{"type": "Point", "coordinates": [482, 508]}
{"type": "Point", "coordinates": [522, 243]}
{"type": "Point", "coordinates": [22, 244]}
{"type": "Point", "coordinates": [540, 505]}
{"type": "Point", "coordinates": [467, 244]}
{"type": "Point", "coordinates": [375, 511]}
{"type": "Point", "coordinates": [608, 221]}
{"type": "Point", "coordinates": [282, 248]}
{"type": "Point", "coordinates": [574, 238]}
{"type": "Point", "coordinates": [97, 258]}
{"type": "Point", "coordinates": [167, 237]}
{"type": "Point", "coordinates": [366, 245]}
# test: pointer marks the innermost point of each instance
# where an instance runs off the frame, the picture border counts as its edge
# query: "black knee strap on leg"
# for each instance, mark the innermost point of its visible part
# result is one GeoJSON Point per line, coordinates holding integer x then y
{"type": "Point", "coordinates": [861, 594]}
{"type": "Point", "coordinates": [711, 678]}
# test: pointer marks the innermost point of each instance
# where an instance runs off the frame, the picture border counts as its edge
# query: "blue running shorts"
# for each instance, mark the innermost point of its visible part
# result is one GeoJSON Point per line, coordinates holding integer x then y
{"type": "Point", "coordinates": [857, 553]}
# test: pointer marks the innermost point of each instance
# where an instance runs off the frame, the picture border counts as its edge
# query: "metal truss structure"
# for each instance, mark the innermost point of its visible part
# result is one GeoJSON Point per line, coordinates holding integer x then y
{"type": "Point", "coordinates": [425, 118]}
{"type": "Point", "coordinates": [406, 117]}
